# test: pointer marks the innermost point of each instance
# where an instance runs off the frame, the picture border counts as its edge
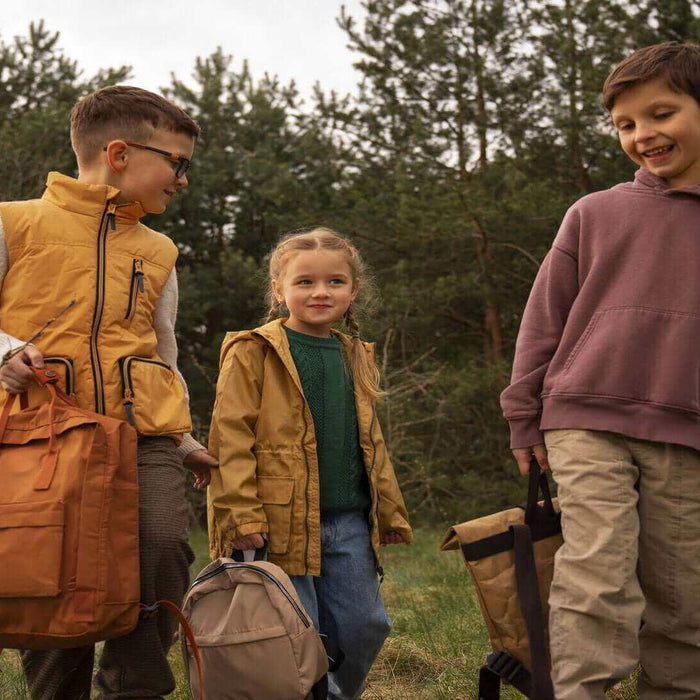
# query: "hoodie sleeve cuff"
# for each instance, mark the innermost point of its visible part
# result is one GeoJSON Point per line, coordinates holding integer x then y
{"type": "Point", "coordinates": [525, 432]}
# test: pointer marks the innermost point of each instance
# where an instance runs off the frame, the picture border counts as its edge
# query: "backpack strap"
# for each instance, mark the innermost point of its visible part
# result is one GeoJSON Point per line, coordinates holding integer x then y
{"type": "Point", "coordinates": [148, 611]}
{"type": "Point", "coordinates": [502, 665]}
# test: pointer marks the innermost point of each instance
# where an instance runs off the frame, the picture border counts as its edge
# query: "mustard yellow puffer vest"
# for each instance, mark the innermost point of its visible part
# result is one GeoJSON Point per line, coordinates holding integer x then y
{"type": "Point", "coordinates": [76, 243]}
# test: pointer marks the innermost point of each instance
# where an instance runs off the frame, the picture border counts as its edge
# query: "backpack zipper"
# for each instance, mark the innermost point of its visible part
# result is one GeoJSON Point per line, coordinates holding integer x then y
{"type": "Point", "coordinates": [285, 592]}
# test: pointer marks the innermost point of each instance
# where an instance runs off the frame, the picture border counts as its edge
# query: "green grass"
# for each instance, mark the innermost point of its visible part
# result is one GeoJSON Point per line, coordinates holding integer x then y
{"type": "Point", "coordinates": [437, 644]}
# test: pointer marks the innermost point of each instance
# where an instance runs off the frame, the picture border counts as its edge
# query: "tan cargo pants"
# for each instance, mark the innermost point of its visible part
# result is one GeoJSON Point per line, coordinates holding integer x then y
{"type": "Point", "coordinates": [136, 665]}
{"type": "Point", "coordinates": [631, 557]}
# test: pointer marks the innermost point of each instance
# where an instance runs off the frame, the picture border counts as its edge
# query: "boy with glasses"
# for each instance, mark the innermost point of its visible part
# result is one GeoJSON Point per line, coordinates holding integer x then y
{"type": "Point", "coordinates": [83, 240]}
{"type": "Point", "coordinates": [606, 391]}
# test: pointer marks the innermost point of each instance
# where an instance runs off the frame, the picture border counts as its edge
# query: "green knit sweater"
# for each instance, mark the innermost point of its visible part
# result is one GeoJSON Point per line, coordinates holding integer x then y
{"type": "Point", "coordinates": [328, 388]}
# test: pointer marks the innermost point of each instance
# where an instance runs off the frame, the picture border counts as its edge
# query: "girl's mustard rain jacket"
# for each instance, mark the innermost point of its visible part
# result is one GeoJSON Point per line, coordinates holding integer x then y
{"type": "Point", "coordinates": [262, 433]}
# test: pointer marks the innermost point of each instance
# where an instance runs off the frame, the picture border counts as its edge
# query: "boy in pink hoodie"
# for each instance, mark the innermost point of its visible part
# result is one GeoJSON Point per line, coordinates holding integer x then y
{"type": "Point", "coordinates": [605, 390]}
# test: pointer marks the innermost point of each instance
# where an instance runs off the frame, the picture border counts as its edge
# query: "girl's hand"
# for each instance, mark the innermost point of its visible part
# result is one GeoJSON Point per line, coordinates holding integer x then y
{"type": "Point", "coordinates": [248, 542]}
{"type": "Point", "coordinates": [392, 537]}
{"type": "Point", "coordinates": [200, 462]}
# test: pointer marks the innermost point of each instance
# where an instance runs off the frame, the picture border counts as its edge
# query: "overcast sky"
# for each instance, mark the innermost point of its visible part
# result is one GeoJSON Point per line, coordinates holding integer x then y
{"type": "Point", "coordinates": [295, 39]}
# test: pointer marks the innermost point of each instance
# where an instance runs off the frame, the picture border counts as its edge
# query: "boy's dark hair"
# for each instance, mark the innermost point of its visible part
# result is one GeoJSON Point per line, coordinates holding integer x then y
{"type": "Point", "coordinates": [125, 112]}
{"type": "Point", "coordinates": [678, 63]}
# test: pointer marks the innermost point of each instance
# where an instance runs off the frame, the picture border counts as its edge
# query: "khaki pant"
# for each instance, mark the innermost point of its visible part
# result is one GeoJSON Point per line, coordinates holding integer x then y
{"type": "Point", "coordinates": [631, 557]}
{"type": "Point", "coordinates": [136, 665]}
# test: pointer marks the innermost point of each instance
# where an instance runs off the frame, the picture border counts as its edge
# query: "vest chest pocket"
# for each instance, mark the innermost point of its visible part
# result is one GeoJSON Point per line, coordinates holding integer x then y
{"type": "Point", "coordinates": [153, 397]}
{"type": "Point", "coordinates": [137, 286]}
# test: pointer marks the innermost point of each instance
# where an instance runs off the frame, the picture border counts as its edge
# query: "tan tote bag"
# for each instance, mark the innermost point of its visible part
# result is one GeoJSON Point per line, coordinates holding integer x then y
{"type": "Point", "coordinates": [510, 556]}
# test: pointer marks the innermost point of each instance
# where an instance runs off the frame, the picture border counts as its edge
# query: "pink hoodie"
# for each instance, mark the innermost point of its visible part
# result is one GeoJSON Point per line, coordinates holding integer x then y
{"type": "Point", "coordinates": [610, 336]}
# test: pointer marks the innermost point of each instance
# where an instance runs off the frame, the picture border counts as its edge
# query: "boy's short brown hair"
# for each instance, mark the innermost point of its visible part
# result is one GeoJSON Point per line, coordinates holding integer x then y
{"type": "Point", "coordinates": [678, 63]}
{"type": "Point", "coordinates": [125, 112]}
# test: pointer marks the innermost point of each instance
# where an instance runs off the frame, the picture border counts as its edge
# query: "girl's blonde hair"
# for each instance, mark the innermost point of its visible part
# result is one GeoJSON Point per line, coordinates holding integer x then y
{"type": "Point", "coordinates": [363, 366]}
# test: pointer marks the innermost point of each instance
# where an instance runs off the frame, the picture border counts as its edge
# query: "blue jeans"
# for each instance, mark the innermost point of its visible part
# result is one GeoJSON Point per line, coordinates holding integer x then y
{"type": "Point", "coordinates": [344, 602]}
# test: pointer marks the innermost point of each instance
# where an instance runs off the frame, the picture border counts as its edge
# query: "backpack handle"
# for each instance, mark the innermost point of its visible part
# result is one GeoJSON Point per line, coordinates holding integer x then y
{"type": "Point", "coordinates": [239, 555]}
{"type": "Point", "coordinates": [46, 378]}
{"type": "Point", "coordinates": [537, 481]}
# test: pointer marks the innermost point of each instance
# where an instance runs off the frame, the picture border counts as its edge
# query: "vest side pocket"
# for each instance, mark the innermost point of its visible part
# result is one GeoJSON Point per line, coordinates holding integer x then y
{"type": "Point", "coordinates": [63, 366]}
{"type": "Point", "coordinates": [153, 397]}
{"type": "Point", "coordinates": [137, 285]}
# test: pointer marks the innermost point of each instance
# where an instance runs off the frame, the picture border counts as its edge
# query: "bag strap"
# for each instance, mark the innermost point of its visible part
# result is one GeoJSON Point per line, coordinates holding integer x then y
{"type": "Point", "coordinates": [531, 607]}
{"type": "Point", "coordinates": [502, 665]}
{"type": "Point", "coordinates": [243, 555]}
{"type": "Point", "coordinates": [148, 611]}
{"type": "Point", "coordinates": [536, 482]}
{"type": "Point", "coordinates": [46, 378]}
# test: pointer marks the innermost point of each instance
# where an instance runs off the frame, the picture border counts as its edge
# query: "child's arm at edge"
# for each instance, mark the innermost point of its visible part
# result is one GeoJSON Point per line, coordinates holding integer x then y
{"type": "Point", "coordinates": [15, 375]}
{"type": "Point", "coordinates": [194, 455]}
{"type": "Point", "coordinates": [236, 516]}
{"type": "Point", "coordinates": [553, 293]}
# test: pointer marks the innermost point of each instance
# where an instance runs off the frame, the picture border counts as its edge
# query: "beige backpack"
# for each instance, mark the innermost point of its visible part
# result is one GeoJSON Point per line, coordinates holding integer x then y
{"type": "Point", "coordinates": [510, 556]}
{"type": "Point", "coordinates": [255, 639]}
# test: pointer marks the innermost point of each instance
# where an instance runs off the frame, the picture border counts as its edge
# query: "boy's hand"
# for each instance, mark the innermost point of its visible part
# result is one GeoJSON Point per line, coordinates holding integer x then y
{"type": "Point", "coordinates": [392, 537]}
{"type": "Point", "coordinates": [16, 375]}
{"type": "Point", "coordinates": [523, 455]}
{"type": "Point", "coordinates": [248, 542]}
{"type": "Point", "coordinates": [200, 462]}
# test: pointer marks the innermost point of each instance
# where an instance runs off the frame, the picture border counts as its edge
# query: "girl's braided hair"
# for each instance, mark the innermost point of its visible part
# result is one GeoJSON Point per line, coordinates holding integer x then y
{"type": "Point", "coordinates": [363, 366]}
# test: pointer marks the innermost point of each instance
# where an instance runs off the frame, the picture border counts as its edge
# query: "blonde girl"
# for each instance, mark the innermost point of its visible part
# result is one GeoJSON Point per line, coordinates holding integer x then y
{"type": "Point", "coordinates": [302, 457]}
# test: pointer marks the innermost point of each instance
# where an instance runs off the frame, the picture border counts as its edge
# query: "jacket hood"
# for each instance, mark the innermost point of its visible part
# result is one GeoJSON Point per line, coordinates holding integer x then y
{"type": "Point", "coordinates": [273, 333]}
{"type": "Point", "coordinates": [647, 179]}
{"type": "Point", "coordinates": [71, 194]}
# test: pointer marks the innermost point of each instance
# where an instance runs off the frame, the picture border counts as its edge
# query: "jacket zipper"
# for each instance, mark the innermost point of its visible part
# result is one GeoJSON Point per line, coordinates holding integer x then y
{"type": "Point", "coordinates": [306, 491]}
{"type": "Point", "coordinates": [127, 386]}
{"type": "Point", "coordinates": [108, 221]}
{"type": "Point", "coordinates": [136, 286]}
{"type": "Point", "coordinates": [380, 569]}
{"type": "Point", "coordinates": [68, 364]}
{"type": "Point", "coordinates": [283, 590]}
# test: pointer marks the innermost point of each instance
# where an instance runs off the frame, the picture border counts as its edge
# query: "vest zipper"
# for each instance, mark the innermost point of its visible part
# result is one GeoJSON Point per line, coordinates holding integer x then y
{"type": "Point", "coordinates": [108, 221]}
{"type": "Point", "coordinates": [236, 565]}
{"type": "Point", "coordinates": [127, 386]}
{"type": "Point", "coordinates": [136, 287]}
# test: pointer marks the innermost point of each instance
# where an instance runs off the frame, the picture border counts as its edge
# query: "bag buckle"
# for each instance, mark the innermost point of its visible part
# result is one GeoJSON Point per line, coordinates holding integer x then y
{"type": "Point", "coordinates": [504, 665]}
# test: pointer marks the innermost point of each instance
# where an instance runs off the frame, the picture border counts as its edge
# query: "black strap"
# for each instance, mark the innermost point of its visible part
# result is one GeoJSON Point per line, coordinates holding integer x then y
{"type": "Point", "coordinates": [531, 607]}
{"type": "Point", "coordinates": [536, 482]}
{"type": "Point", "coordinates": [320, 688]}
{"type": "Point", "coordinates": [500, 665]}
{"type": "Point", "coordinates": [334, 653]}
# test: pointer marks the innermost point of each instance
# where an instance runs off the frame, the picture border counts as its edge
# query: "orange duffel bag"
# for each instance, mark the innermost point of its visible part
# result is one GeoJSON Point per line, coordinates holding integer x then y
{"type": "Point", "coordinates": [69, 547]}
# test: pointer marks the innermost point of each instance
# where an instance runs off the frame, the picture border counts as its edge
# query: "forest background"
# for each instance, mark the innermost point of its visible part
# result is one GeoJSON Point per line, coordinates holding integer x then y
{"type": "Point", "coordinates": [475, 126]}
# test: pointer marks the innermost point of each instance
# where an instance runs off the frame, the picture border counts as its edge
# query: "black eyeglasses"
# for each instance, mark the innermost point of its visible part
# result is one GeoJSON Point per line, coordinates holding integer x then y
{"type": "Point", "coordinates": [183, 163]}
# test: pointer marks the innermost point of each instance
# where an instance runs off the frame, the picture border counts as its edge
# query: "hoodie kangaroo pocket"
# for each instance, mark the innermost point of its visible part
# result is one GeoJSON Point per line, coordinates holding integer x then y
{"type": "Point", "coordinates": [633, 353]}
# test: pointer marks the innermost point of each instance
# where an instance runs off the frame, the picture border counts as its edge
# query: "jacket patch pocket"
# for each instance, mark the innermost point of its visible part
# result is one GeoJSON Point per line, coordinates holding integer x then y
{"type": "Point", "coordinates": [31, 546]}
{"type": "Point", "coordinates": [153, 397]}
{"type": "Point", "coordinates": [276, 492]}
{"type": "Point", "coordinates": [630, 352]}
